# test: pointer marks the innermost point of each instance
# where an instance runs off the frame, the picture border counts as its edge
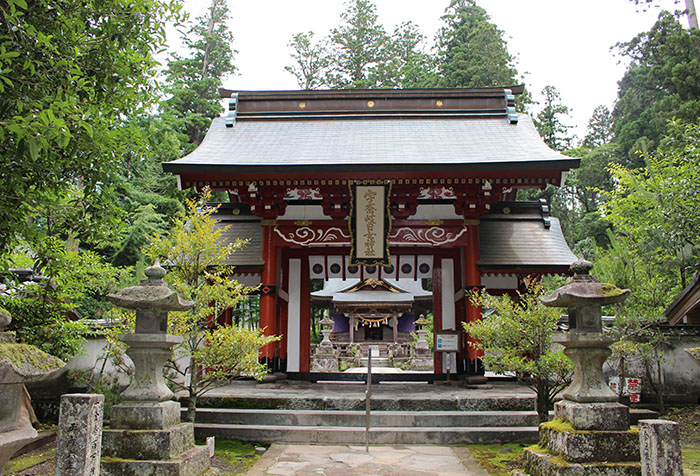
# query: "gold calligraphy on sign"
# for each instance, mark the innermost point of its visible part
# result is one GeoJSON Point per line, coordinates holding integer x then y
{"type": "Point", "coordinates": [370, 224]}
{"type": "Point", "coordinates": [370, 221]}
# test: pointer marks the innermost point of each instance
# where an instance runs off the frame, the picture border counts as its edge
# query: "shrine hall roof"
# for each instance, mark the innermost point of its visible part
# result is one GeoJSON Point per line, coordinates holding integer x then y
{"type": "Point", "coordinates": [335, 131]}
{"type": "Point", "coordinates": [522, 239]}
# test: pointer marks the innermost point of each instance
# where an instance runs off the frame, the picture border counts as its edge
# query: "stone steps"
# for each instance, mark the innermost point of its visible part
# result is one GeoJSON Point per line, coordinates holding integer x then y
{"type": "Point", "coordinates": [387, 427]}
{"type": "Point", "coordinates": [356, 435]}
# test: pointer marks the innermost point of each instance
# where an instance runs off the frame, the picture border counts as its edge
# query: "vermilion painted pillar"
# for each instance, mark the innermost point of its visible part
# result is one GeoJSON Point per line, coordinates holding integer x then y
{"type": "Point", "coordinates": [473, 279]}
{"type": "Point", "coordinates": [268, 290]}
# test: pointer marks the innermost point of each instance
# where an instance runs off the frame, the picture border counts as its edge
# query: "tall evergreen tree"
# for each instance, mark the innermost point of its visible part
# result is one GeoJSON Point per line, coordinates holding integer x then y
{"type": "Point", "coordinates": [600, 128]}
{"type": "Point", "coordinates": [192, 81]}
{"type": "Point", "coordinates": [311, 61]}
{"type": "Point", "coordinates": [359, 53]}
{"type": "Point", "coordinates": [471, 50]}
{"type": "Point", "coordinates": [357, 46]}
{"type": "Point", "coordinates": [661, 82]}
{"type": "Point", "coordinates": [549, 120]}
{"type": "Point", "coordinates": [405, 64]}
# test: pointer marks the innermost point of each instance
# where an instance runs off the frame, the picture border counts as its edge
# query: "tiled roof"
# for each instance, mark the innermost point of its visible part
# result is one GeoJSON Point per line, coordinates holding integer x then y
{"type": "Point", "coordinates": [509, 243]}
{"type": "Point", "coordinates": [372, 144]}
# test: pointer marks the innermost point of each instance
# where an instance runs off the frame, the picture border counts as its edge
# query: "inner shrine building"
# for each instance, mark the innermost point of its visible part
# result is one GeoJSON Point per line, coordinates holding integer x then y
{"type": "Point", "coordinates": [380, 185]}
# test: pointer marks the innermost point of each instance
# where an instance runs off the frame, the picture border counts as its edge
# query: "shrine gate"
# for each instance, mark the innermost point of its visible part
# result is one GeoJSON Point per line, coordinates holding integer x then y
{"type": "Point", "coordinates": [401, 184]}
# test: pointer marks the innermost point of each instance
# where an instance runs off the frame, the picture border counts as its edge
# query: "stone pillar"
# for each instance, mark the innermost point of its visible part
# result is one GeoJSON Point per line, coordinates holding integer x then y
{"type": "Point", "coordinates": [659, 445]}
{"type": "Point", "coordinates": [79, 435]}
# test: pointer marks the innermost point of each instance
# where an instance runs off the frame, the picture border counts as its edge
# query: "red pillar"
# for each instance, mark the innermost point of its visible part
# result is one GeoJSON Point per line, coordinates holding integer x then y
{"type": "Point", "coordinates": [473, 279]}
{"type": "Point", "coordinates": [268, 288]}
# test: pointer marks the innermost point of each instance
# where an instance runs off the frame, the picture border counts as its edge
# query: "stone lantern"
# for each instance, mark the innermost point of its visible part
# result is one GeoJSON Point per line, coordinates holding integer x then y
{"type": "Point", "coordinates": [145, 428]}
{"type": "Point", "coordinates": [588, 348]}
{"type": "Point", "coordinates": [591, 431]}
{"type": "Point", "coordinates": [422, 346]}
{"type": "Point", "coordinates": [422, 358]}
{"type": "Point", "coordinates": [326, 330]}
{"type": "Point", "coordinates": [325, 359]}
{"type": "Point", "coordinates": [19, 364]}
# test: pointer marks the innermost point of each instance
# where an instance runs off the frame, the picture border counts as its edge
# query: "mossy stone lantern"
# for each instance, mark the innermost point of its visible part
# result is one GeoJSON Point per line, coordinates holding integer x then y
{"type": "Point", "coordinates": [588, 347]}
{"type": "Point", "coordinates": [150, 346]}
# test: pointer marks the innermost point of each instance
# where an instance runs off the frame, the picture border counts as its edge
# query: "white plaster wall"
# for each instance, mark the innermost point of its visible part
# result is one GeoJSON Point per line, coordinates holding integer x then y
{"type": "Point", "coordinates": [91, 359]}
{"type": "Point", "coordinates": [448, 308]}
{"type": "Point", "coordinates": [294, 316]}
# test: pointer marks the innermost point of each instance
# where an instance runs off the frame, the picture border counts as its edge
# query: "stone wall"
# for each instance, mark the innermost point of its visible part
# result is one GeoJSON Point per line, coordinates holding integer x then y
{"type": "Point", "coordinates": [681, 373]}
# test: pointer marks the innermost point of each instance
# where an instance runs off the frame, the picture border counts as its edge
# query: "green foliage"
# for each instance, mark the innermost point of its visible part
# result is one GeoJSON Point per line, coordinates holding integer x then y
{"type": "Point", "coordinates": [656, 207]}
{"type": "Point", "coordinates": [518, 337]}
{"type": "Point", "coordinates": [405, 63]}
{"type": "Point", "coordinates": [311, 60]}
{"type": "Point", "coordinates": [359, 53]}
{"type": "Point", "coordinates": [662, 82]}
{"type": "Point", "coordinates": [69, 73]}
{"type": "Point", "coordinates": [356, 46]}
{"type": "Point", "coordinates": [192, 82]}
{"type": "Point", "coordinates": [549, 120]}
{"type": "Point", "coordinates": [600, 128]}
{"type": "Point", "coordinates": [76, 285]}
{"type": "Point", "coordinates": [147, 196]}
{"type": "Point", "coordinates": [471, 50]}
{"type": "Point", "coordinates": [194, 255]}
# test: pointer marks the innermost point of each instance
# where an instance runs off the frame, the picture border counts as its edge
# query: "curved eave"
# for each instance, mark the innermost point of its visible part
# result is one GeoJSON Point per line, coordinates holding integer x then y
{"type": "Point", "coordinates": [237, 169]}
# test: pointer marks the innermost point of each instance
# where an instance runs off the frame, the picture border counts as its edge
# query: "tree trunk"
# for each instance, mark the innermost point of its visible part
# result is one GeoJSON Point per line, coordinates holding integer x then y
{"type": "Point", "coordinates": [660, 379]}
{"type": "Point", "coordinates": [192, 391]}
{"type": "Point", "coordinates": [692, 14]}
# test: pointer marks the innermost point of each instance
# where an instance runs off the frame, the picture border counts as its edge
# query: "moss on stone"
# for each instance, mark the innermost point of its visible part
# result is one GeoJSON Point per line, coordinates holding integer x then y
{"type": "Point", "coordinates": [27, 360]}
{"type": "Point", "coordinates": [694, 352]}
{"type": "Point", "coordinates": [558, 424]}
{"type": "Point", "coordinates": [611, 290]}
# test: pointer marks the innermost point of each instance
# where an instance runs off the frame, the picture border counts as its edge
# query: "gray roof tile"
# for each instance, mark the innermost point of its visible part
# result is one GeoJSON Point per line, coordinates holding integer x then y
{"type": "Point", "coordinates": [422, 141]}
{"type": "Point", "coordinates": [522, 244]}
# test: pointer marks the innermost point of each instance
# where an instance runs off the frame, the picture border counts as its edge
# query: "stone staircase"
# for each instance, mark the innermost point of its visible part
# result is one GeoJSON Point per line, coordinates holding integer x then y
{"type": "Point", "coordinates": [387, 427]}
{"type": "Point", "coordinates": [397, 417]}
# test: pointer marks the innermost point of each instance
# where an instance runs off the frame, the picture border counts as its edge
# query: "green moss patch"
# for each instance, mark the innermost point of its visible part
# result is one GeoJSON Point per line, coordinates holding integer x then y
{"type": "Point", "coordinates": [611, 290]}
{"type": "Point", "coordinates": [33, 459]}
{"type": "Point", "coordinates": [28, 360]}
{"type": "Point", "coordinates": [499, 460]}
{"type": "Point", "coordinates": [233, 457]}
{"type": "Point", "coordinates": [691, 461]}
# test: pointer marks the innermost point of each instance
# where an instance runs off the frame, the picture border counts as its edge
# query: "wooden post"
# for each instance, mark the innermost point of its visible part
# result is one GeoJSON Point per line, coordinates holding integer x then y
{"type": "Point", "coordinates": [472, 279]}
{"type": "Point", "coordinates": [268, 299]}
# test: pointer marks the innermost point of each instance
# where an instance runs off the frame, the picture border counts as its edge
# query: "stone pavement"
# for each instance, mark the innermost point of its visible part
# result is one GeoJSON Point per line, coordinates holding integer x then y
{"type": "Point", "coordinates": [352, 460]}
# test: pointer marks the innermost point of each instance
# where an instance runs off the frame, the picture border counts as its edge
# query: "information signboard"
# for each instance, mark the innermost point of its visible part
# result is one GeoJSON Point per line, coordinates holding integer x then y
{"type": "Point", "coordinates": [446, 341]}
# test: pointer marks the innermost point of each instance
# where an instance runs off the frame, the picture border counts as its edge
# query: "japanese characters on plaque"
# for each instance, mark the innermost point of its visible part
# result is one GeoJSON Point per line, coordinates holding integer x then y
{"type": "Point", "coordinates": [370, 224]}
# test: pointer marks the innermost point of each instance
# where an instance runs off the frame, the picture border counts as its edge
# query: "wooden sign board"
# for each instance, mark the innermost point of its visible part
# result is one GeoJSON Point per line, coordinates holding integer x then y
{"type": "Point", "coordinates": [370, 223]}
{"type": "Point", "coordinates": [446, 341]}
